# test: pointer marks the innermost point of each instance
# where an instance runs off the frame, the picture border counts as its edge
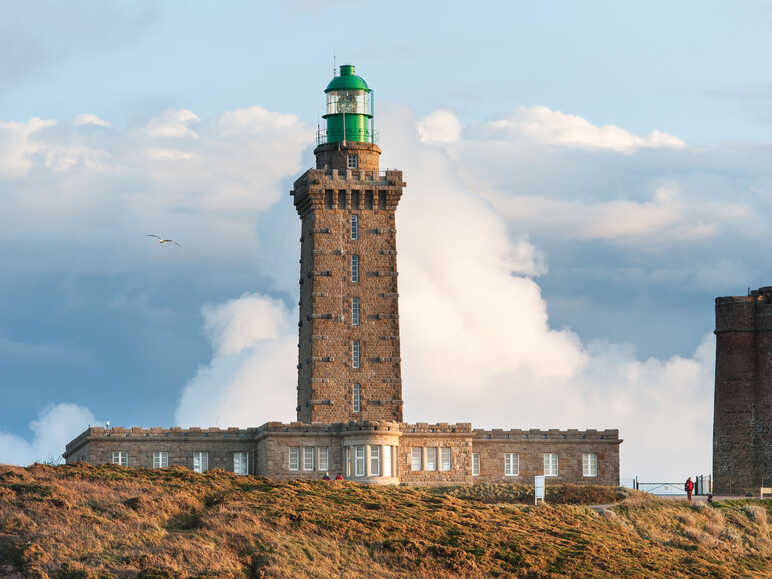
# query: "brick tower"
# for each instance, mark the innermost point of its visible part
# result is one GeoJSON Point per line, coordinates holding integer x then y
{"type": "Point", "coordinates": [348, 352]}
{"type": "Point", "coordinates": [742, 412]}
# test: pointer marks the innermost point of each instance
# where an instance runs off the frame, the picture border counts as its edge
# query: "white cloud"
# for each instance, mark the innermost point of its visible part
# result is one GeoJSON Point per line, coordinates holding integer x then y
{"type": "Point", "coordinates": [173, 123]}
{"type": "Point", "coordinates": [556, 128]}
{"type": "Point", "coordinates": [18, 145]}
{"type": "Point", "coordinates": [89, 119]}
{"type": "Point", "coordinates": [440, 126]}
{"type": "Point", "coordinates": [54, 426]}
{"type": "Point", "coordinates": [251, 377]}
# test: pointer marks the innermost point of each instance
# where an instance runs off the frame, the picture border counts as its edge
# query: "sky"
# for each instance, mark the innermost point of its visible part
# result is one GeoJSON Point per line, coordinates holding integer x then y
{"type": "Point", "coordinates": [604, 168]}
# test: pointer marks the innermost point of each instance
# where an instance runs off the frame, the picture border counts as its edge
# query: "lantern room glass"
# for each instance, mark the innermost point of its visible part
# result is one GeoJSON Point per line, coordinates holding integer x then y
{"type": "Point", "coordinates": [348, 101]}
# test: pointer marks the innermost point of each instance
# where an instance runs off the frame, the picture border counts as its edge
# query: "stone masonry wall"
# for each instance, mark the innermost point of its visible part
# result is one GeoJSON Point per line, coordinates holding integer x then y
{"type": "Point", "coordinates": [742, 419]}
{"type": "Point", "coordinates": [98, 445]}
{"type": "Point", "coordinates": [326, 200]}
{"type": "Point", "coordinates": [531, 445]}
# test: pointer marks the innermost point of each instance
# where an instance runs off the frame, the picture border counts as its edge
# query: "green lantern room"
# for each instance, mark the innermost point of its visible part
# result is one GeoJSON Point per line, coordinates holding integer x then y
{"type": "Point", "coordinates": [349, 108]}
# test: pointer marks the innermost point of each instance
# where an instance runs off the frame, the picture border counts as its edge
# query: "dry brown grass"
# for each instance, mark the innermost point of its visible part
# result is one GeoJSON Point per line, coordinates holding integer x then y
{"type": "Point", "coordinates": [84, 521]}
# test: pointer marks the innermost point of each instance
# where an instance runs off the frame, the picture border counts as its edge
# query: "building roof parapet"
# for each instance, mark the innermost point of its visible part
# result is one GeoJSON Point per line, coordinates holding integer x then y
{"type": "Point", "coordinates": [549, 434]}
{"type": "Point", "coordinates": [439, 427]}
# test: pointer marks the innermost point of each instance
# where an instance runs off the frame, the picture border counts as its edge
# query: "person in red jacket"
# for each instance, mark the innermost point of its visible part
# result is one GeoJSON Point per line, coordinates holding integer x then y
{"type": "Point", "coordinates": [689, 487]}
{"type": "Point", "coordinates": [339, 477]}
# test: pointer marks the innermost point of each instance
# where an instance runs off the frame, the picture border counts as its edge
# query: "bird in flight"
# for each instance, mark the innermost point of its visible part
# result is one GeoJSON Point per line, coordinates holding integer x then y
{"type": "Point", "coordinates": [161, 240]}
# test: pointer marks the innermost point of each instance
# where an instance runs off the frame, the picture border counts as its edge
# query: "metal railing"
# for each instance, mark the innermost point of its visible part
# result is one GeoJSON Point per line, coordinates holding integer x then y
{"type": "Point", "coordinates": [703, 485]}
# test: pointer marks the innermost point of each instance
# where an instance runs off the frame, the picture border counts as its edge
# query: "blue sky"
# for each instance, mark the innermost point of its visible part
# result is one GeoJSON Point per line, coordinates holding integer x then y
{"type": "Point", "coordinates": [610, 243]}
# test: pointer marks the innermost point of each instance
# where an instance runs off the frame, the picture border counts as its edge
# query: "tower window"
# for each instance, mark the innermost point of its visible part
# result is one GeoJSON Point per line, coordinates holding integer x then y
{"type": "Point", "coordinates": [241, 462]}
{"type": "Point", "coordinates": [355, 354]}
{"type": "Point", "coordinates": [121, 457]}
{"type": "Point", "coordinates": [324, 458]}
{"type": "Point", "coordinates": [328, 199]}
{"type": "Point", "coordinates": [355, 225]}
{"type": "Point", "coordinates": [431, 458]}
{"type": "Point", "coordinates": [375, 461]}
{"type": "Point", "coordinates": [590, 464]}
{"type": "Point", "coordinates": [308, 458]}
{"type": "Point", "coordinates": [160, 459]}
{"type": "Point", "coordinates": [445, 458]}
{"type": "Point", "coordinates": [359, 461]}
{"type": "Point", "coordinates": [357, 397]}
{"type": "Point", "coordinates": [475, 464]}
{"type": "Point", "coordinates": [381, 199]}
{"type": "Point", "coordinates": [355, 312]}
{"type": "Point", "coordinates": [368, 199]}
{"type": "Point", "coordinates": [200, 461]}
{"type": "Point", "coordinates": [416, 458]}
{"type": "Point", "coordinates": [355, 199]}
{"type": "Point", "coordinates": [355, 268]}
{"type": "Point", "coordinates": [341, 199]}
{"type": "Point", "coordinates": [353, 162]}
{"type": "Point", "coordinates": [550, 464]}
{"type": "Point", "coordinates": [512, 464]}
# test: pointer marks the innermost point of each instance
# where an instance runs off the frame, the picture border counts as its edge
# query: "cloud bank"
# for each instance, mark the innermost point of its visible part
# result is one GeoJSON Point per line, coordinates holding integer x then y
{"type": "Point", "coordinates": [494, 212]}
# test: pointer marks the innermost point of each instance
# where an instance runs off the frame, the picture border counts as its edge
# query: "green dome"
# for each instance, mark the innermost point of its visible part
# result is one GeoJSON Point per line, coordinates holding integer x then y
{"type": "Point", "coordinates": [347, 80]}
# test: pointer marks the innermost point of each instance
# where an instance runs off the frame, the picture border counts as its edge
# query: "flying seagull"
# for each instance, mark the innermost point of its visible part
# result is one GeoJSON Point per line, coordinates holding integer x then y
{"type": "Point", "coordinates": [161, 240]}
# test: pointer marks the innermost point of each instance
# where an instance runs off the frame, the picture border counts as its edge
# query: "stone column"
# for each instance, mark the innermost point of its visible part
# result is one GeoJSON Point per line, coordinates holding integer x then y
{"type": "Point", "coordinates": [367, 460]}
{"type": "Point", "coordinates": [394, 461]}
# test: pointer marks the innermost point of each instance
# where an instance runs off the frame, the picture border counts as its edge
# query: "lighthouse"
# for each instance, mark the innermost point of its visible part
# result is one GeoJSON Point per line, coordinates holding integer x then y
{"type": "Point", "coordinates": [349, 365]}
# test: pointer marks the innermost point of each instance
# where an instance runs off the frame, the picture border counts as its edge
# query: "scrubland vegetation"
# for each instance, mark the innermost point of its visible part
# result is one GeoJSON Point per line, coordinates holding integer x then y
{"type": "Point", "coordinates": [84, 521]}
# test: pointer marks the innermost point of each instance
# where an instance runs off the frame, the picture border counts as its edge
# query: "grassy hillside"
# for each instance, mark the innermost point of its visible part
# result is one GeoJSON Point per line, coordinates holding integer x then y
{"type": "Point", "coordinates": [83, 521]}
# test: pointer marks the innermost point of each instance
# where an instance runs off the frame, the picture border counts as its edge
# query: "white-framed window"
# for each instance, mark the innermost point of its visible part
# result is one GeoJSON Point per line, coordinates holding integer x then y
{"type": "Point", "coordinates": [431, 458]}
{"type": "Point", "coordinates": [359, 460]}
{"type": "Point", "coordinates": [355, 354]}
{"type": "Point", "coordinates": [355, 311]}
{"type": "Point", "coordinates": [352, 162]}
{"type": "Point", "coordinates": [590, 464]}
{"type": "Point", "coordinates": [121, 457]}
{"type": "Point", "coordinates": [324, 458]}
{"type": "Point", "coordinates": [200, 461]}
{"type": "Point", "coordinates": [160, 459]}
{"type": "Point", "coordinates": [416, 458]}
{"type": "Point", "coordinates": [387, 461]}
{"type": "Point", "coordinates": [375, 460]}
{"type": "Point", "coordinates": [445, 459]}
{"type": "Point", "coordinates": [308, 458]}
{"type": "Point", "coordinates": [355, 269]}
{"type": "Point", "coordinates": [511, 464]}
{"type": "Point", "coordinates": [550, 464]}
{"type": "Point", "coordinates": [355, 224]}
{"type": "Point", "coordinates": [241, 462]}
{"type": "Point", "coordinates": [475, 464]}
{"type": "Point", "coordinates": [356, 397]}
{"type": "Point", "coordinates": [347, 459]}
{"type": "Point", "coordinates": [294, 458]}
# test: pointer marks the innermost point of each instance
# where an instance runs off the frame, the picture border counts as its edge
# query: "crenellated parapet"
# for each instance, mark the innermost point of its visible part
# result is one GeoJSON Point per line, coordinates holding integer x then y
{"type": "Point", "coordinates": [610, 435]}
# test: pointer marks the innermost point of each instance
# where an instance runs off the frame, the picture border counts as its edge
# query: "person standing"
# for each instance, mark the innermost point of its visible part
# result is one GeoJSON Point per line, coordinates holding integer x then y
{"type": "Point", "coordinates": [689, 487]}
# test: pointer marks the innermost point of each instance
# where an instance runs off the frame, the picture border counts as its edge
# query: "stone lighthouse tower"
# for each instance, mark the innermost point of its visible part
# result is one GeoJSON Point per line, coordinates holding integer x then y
{"type": "Point", "coordinates": [348, 351]}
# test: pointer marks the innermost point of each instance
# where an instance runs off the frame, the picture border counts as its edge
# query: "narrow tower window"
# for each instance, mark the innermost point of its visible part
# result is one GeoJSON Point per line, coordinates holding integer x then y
{"type": "Point", "coordinates": [353, 162]}
{"type": "Point", "coordinates": [355, 199]}
{"type": "Point", "coordinates": [355, 312]}
{"type": "Point", "coordinates": [357, 397]}
{"type": "Point", "coordinates": [355, 268]}
{"type": "Point", "coordinates": [355, 225]}
{"type": "Point", "coordinates": [368, 199]}
{"type": "Point", "coordinates": [381, 199]}
{"type": "Point", "coordinates": [328, 199]}
{"type": "Point", "coordinates": [355, 354]}
{"type": "Point", "coordinates": [341, 199]}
